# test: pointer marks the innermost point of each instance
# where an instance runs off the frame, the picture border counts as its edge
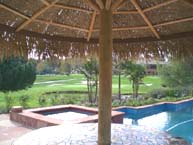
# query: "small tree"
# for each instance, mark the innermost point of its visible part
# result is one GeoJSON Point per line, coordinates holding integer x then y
{"type": "Point", "coordinates": [135, 73]}
{"type": "Point", "coordinates": [90, 71]}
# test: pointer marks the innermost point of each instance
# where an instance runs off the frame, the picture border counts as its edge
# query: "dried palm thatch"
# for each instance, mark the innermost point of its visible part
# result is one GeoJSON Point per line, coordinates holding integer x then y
{"type": "Point", "coordinates": [61, 28]}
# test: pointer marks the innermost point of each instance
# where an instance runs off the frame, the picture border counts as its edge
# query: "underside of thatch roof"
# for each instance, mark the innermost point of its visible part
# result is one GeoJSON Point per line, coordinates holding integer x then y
{"type": "Point", "coordinates": [141, 28]}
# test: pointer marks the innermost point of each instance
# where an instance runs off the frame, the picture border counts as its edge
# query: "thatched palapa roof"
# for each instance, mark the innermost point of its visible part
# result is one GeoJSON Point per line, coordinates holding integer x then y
{"type": "Point", "coordinates": [71, 27]}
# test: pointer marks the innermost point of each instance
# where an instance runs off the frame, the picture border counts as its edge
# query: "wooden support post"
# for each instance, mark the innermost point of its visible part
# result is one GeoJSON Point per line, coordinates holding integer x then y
{"type": "Point", "coordinates": [105, 77]}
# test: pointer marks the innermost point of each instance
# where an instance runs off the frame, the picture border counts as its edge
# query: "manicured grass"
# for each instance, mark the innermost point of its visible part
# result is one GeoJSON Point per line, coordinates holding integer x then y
{"type": "Point", "coordinates": [74, 82]}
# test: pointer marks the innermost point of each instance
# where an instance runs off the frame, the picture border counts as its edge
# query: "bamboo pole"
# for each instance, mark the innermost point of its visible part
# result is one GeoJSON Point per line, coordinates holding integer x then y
{"type": "Point", "coordinates": [105, 77]}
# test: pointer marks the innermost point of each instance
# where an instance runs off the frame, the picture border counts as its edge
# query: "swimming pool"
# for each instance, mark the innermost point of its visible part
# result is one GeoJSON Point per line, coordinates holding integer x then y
{"type": "Point", "coordinates": [178, 123]}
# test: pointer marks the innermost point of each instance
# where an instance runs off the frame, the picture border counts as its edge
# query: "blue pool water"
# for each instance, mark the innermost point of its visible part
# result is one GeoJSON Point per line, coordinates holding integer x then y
{"type": "Point", "coordinates": [178, 123]}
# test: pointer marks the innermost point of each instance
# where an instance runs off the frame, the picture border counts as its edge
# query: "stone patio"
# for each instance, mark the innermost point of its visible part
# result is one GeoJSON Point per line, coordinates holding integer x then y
{"type": "Point", "coordinates": [86, 134]}
{"type": "Point", "coordinates": [10, 131]}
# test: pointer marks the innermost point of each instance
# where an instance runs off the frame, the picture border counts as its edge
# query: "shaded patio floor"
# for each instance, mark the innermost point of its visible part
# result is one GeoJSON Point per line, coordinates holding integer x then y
{"type": "Point", "coordinates": [86, 134]}
{"type": "Point", "coordinates": [10, 131]}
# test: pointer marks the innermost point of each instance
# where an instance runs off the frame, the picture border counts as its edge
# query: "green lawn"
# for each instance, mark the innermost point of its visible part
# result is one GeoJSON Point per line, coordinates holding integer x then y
{"type": "Point", "coordinates": [74, 82]}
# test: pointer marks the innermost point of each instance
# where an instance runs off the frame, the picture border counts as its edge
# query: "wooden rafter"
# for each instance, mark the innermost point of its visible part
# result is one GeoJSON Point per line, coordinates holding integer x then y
{"type": "Point", "coordinates": [91, 25]}
{"type": "Point", "coordinates": [134, 2]}
{"type": "Point", "coordinates": [93, 5]}
{"type": "Point", "coordinates": [72, 8]}
{"type": "Point", "coordinates": [174, 22]}
{"type": "Point", "coordinates": [130, 28]}
{"type": "Point", "coordinates": [14, 11]}
{"type": "Point", "coordinates": [100, 3]}
{"type": "Point", "coordinates": [127, 40]}
{"type": "Point", "coordinates": [160, 5]}
{"type": "Point", "coordinates": [146, 9]}
{"type": "Point", "coordinates": [189, 2]}
{"type": "Point", "coordinates": [38, 13]}
{"type": "Point", "coordinates": [45, 2]}
{"type": "Point", "coordinates": [61, 25]}
{"type": "Point", "coordinates": [116, 12]}
{"type": "Point", "coordinates": [126, 28]}
{"type": "Point", "coordinates": [156, 25]}
{"type": "Point", "coordinates": [126, 12]}
{"type": "Point", "coordinates": [117, 4]}
{"type": "Point", "coordinates": [108, 4]}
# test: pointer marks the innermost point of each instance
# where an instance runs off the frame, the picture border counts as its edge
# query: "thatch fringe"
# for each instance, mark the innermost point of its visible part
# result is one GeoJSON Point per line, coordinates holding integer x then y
{"type": "Point", "coordinates": [21, 45]}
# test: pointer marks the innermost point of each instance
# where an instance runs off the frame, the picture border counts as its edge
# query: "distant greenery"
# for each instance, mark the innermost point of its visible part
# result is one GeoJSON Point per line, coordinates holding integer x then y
{"type": "Point", "coordinates": [74, 83]}
{"type": "Point", "coordinates": [178, 76]}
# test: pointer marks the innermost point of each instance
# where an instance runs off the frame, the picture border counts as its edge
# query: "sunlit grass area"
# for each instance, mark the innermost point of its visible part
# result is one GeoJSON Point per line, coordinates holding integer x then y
{"type": "Point", "coordinates": [72, 83]}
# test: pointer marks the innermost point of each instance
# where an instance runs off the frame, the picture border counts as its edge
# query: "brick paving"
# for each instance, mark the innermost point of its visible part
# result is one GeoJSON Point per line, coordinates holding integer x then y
{"type": "Point", "coordinates": [10, 131]}
{"type": "Point", "coordinates": [86, 134]}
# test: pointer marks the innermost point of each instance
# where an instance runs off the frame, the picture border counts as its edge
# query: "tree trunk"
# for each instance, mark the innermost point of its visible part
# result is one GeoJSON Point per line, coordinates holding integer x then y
{"type": "Point", "coordinates": [119, 86]}
{"type": "Point", "coordinates": [88, 87]}
{"type": "Point", "coordinates": [96, 90]}
{"type": "Point", "coordinates": [105, 77]}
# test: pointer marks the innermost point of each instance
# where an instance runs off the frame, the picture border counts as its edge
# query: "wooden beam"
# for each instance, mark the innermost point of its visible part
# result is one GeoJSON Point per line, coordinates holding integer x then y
{"type": "Point", "coordinates": [72, 8]}
{"type": "Point", "coordinates": [189, 2]}
{"type": "Point", "coordinates": [93, 5]}
{"type": "Point", "coordinates": [146, 27]}
{"type": "Point", "coordinates": [174, 22]}
{"type": "Point", "coordinates": [45, 2]}
{"type": "Point", "coordinates": [14, 11]}
{"type": "Point", "coordinates": [94, 41]}
{"type": "Point", "coordinates": [153, 39]}
{"type": "Point", "coordinates": [160, 5]}
{"type": "Point", "coordinates": [108, 4]}
{"type": "Point", "coordinates": [117, 4]}
{"type": "Point", "coordinates": [130, 28]}
{"type": "Point", "coordinates": [61, 25]}
{"type": "Point", "coordinates": [146, 9]}
{"type": "Point", "coordinates": [125, 12]}
{"type": "Point", "coordinates": [38, 13]}
{"type": "Point", "coordinates": [134, 2]}
{"type": "Point", "coordinates": [91, 25]}
{"type": "Point", "coordinates": [126, 28]}
{"type": "Point", "coordinates": [100, 4]}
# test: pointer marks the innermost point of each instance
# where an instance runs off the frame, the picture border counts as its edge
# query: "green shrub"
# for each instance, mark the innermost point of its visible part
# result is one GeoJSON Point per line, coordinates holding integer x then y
{"type": "Point", "coordinates": [55, 99]}
{"type": "Point", "coordinates": [9, 101]}
{"type": "Point", "coordinates": [158, 93]}
{"type": "Point", "coordinates": [16, 73]}
{"type": "Point", "coordinates": [42, 100]}
{"type": "Point", "coordinates": [23, 100]}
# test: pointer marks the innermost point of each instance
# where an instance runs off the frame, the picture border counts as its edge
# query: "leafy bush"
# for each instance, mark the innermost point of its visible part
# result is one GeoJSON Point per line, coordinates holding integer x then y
{"type": "Point", "coordinates": [178, 74]}
{"type": "Point", "coordinates": [168, 92]}
{"type": "Point", "coordinates": [9, 101]}
{"type": "Point", "coordinates": [158, 93]}
{"type": "Point", "coordinates": [16, 73]}
{"type": "Point", "coordinates": [42, 100]}
{"type": "Point", "coordinates": [55, 99]}
{"type": "Point", "coordinates": [23, 100]}
{"type": "Point", "coordinates": [178, 92]}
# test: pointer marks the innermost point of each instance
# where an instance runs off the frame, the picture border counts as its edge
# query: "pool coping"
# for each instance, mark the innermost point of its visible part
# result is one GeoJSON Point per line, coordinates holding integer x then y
{"type": "Point", "coordinates": [151, 109]}
{"type": "Point", "coordinates": [31, 118]}
{"type": "Point", "coordinates": [160, 103]}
